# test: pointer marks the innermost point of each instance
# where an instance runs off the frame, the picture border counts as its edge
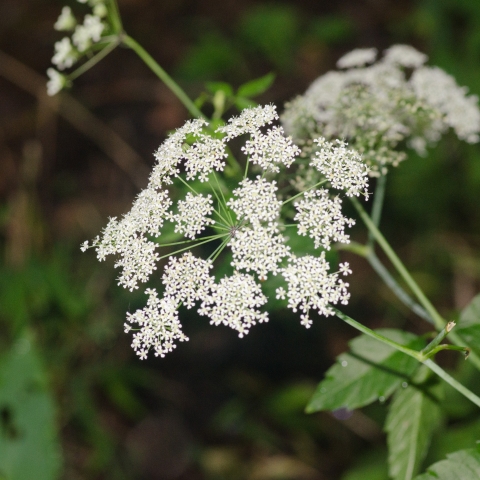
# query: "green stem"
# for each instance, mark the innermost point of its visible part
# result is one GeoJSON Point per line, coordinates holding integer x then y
{"type": "Point", "coordinates": [209, 239]}
{"type": "Point", "coordinates": [451, 381]}
{"type": "Point", "coordinates": [377, 206]}
{"type": "Point", "coordinates": [367, 331]}
{"type": "Point", "coordinates": [115, 17]}
{"type": "Point", "coordinates": [437, 319]}
{"type": "Point", "coordinates": [288, 200]}
{"type": "Point", "coordinates": [162, 75]}
{"type": "Point", "coordinates": [402, 295]}
{"type": "Point", "coordinates": [412, 353]}
{"type": "Point", "coordinates": [95, 59]}
{"type": "Point", "coordinates": [440, 337]}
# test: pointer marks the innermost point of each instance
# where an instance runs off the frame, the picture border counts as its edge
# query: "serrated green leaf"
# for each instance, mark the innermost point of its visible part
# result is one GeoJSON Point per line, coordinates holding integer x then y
{"type": "Point", "coordinates": [469, 324]}
{"type": "Point", "coordinates": [413, 417]}
{"type": "Point", "coordinates": [257, 86]}
{"type": "Point", "coordinates": [29, 448]}
{"type": "Point", "coordinates": [371, 370]}
{"type": "Point", "coordinates": [461, 465]}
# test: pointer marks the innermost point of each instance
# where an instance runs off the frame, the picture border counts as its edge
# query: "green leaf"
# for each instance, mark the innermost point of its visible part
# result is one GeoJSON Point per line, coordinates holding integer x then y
{"type": "Point", "coordinates": [413, 416]}
{"type": "Point", "coordinates": [370, 371]}
{"type": "Point", "coordinates": [469, 324]}
{"type": "Point", "coordinates": [461, 465]}
{"type": "Point", "coordinates": [257, 86]}
{"type": "Point", "coordinates": [29, 448]}
{"type": "Point", "coordinates": [214, 87]}
{"type": "Point", "coordinates": [242, 102]}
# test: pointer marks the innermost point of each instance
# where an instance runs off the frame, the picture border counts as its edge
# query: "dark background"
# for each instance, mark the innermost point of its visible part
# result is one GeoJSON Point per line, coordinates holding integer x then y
{"type": "Point", "coordinates": [217, 407]}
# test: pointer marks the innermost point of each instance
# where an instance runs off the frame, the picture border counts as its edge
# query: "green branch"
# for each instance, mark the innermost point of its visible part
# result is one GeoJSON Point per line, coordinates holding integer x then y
{"type": "Point", "coordinates": [162, 75]}
{"type": "Point", "coordinates": [420, 356]}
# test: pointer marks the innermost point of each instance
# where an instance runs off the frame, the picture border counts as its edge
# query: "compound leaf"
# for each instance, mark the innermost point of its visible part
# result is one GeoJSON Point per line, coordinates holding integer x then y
{"type": "Point", "coordinates": [469, 324]}
{"type": "Point", "coordinates": [413, 416]}
{"type": "Point", "coordinates": [461, 465]}
{"type": "Point", "coordinates": [370, 371]}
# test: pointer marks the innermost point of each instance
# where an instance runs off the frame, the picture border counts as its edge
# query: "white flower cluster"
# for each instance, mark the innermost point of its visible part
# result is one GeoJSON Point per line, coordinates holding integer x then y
{"type": "Point", "coordinates": [310, 286]}
{"type": "Point", "coordinates": [69, 50]}
{"type": "Point", "coordinates": [247, 220]}
{"type": "Point", "coordinates": [343, 168]}
{"type": "Point", "coordinates": [376, 105]}
{"type": "Point", "coordinates": [320, 217]}
{"type": "Point", "coordinates": [193, 215]}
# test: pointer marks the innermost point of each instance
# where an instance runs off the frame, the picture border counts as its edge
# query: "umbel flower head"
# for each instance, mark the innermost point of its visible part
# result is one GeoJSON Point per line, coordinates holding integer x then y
{"type": "Point", "coordinates": [244, 215]}
{"type": "Point", "coordinates": [378, 105]}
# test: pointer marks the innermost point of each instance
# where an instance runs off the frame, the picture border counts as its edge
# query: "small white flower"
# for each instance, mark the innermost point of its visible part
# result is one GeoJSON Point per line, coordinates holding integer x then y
{"type": "Point", "coordinates": [357, 58]}
{"type": "Point", "coordinates": [91, 31]}
{"type": "Point", "coordinates": [65, 55]}
{"type": "Point", "coordinates": [187, 279]}
{"type": "Point", "coordinates": [66, 21]}
{"type": "Point", "coordinates": [269, 150]}
{"type": "Point", "coordinates": [441, 91]}
{"type": "Point", "coordinates": [84, 246]}
{"type": "Point", "coordinates": [171, 152]}
{"type": "Point", "coordinates": [256, 201]}
{"type": "Point", "coordinates": [159, 326]}
{"type": "Point", "coordinates": [192, 216]}
{"type": "Point", "coordinates": [342, 167]}
{"type": "Point", "coordinates": [280, 293]}
{"type": "Point", "coordinates": [405, 56]}
{"type": "Point", "coordinates": [204, 156]}
{"type": "Point", "coordinates": [258, 249]}
{"type": "Point", "coordinates": [344, 269]}
{"type": "Point", "coordinates": [249, 121]}
{"type": "Point", "coordinates": [310, 286]}
{"type": "Point", "coordinates": [234, 303]}
{"type": "Point", "coordinates": [320, 217]}
{"type": "Point", "coordinates": [56, 81]}
{"type": "Point", "coordinates": [100, 10]}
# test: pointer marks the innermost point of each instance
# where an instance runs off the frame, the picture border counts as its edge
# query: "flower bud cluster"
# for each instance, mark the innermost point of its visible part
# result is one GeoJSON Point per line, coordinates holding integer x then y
{"type": "Point", "coordinates": [83, 36]}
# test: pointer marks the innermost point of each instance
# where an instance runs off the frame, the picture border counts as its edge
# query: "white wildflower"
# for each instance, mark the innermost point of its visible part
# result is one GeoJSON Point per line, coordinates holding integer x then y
{"type": "Point", "coordinates": [440, 91]}
{"type": "Point", "coordinates": [234, 302]}
{"type": "Point", "coordinates": [187, 279]}
{"type": "Point", "coordinates": [310, 286]}
{"type": "Point", "coordinates": [65, 55]}
{"type": "Point", "coordinates": [159, 326]}
{"type": "Point", "coordinates": [253, 232]}
{"type": "Point", "coordinates": [380, 107]}
{"type": "Point", "coordinates": [127, 238]}
{"type": "Point", "coordinates": [91, 31]}
{"type": "Point", "coordinates": [249, 121]}
{"type": "Point", "coordinates": [56, 81]}
{"type": "Point", "coordinates": [258, 249]}
{"type": "Point", "coordinates": [100, 10]}
{"type": "Point", "coordinates": [192, 216]}
{"type": "Point", "coordinates": [357, 58]}
{"type": "Point", "coordinates": [405, 56]}
{"type": "Point", "coordinates": [171, 152]}
{"type": "Point", "coordinates": [204, 156]}
{"type": "Point", "coordinates": [270, 149]}
{"type": "Point", "coordinates": [342, 167]}
{"type": "Point", "coordinates": [256, 201]}
{"type": "Point", "coordinates": [66, 21]}
{"type": "Point", "coordinates": [149, 211]}
{"type": "Point", "coordinates": [344, 268]}
{"type": "Point", "coordinates": [320, 217]}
